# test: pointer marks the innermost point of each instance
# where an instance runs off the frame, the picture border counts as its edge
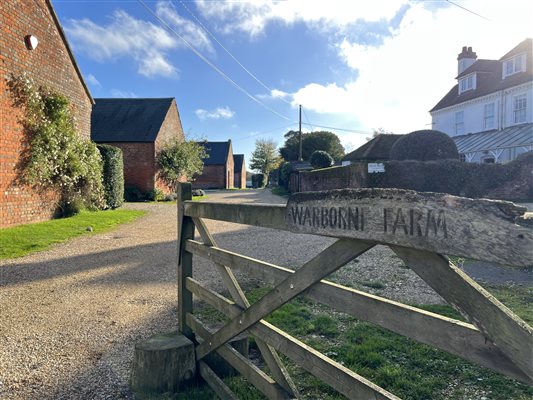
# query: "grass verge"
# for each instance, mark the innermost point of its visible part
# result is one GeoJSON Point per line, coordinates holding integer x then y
{"type": "Point", "coordinates": [280, 191]}
{"type": "Point", "coordinates": [410, 370]}
{"type": "Point", "coordinates": [24, 239]}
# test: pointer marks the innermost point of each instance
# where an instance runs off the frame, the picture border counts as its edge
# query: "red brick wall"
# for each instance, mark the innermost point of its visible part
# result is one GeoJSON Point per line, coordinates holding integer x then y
{"type": "Point", "coordinates": [49, 65]}
{"type": "Point", "coordinates": [170, 129]}
{"type": "Point", "coordinates": [240, 177]}
{"type": "Point", "coordinates": [212, 177]}
{"type": "Point", "coordinates": [139, 164]}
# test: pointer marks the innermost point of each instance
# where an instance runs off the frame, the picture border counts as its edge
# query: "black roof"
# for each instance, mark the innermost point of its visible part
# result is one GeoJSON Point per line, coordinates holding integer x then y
{"type": "Point", "coordinates": [374, 150]}
{"type": "Point", "coordinates": [128, 120]}
{"type": "Point", "coordinates": [238, 161]}
{"type": "Point", "coordinates": [489, 77]}
{"type": "Point", "coordinates": [217, 151]}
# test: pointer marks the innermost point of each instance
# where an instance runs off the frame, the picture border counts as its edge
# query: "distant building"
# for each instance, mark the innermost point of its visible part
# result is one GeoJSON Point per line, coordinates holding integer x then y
{"type": "Point", "coordinates": [489, 112]}
{"type": "Point", "coordinates": [375, 150]}
{"type": "Point", "coordinates": [140, 127]}
{"type": "Point", "coordinates": [33, 42]}
{"type": "Point", "coordinates": [239, 168]}
{"type": "Point", "coordinates": [218, 172]}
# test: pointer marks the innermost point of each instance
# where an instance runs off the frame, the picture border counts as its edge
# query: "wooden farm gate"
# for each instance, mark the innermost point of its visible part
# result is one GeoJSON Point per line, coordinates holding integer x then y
{"type": "Point", "coordinates": [418, 227]}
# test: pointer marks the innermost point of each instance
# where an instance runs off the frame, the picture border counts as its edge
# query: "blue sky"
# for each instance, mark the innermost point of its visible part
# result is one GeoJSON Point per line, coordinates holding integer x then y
{"type": "Point", "coordinates": [353, 65]}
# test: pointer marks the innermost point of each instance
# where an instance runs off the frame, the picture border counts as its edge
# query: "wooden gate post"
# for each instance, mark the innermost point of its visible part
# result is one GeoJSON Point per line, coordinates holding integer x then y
{"type": "Point", "coordinates": [185, 232]}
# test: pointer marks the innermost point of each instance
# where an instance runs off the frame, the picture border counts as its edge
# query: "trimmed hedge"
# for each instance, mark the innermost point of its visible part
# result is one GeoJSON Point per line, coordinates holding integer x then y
{"type": "Point", "coordinates": [113, 175]}
{"type": "Point", "coordinates": [320, 159]}
{"type": "Point", "coordinates": [259, 180]}
{"type": "Point", "coordinates": [448, 176]}
{"type": "Point", "coordinates": [425, 145]}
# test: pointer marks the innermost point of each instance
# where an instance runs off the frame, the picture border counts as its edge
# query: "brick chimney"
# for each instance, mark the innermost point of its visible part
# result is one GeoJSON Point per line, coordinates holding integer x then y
{"type": "Point", "coordinates": [465, 59]}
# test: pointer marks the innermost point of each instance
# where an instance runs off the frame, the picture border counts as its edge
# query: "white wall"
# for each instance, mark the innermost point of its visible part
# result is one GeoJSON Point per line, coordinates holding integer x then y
{"type": "Point", "coordinates": [444, 120]}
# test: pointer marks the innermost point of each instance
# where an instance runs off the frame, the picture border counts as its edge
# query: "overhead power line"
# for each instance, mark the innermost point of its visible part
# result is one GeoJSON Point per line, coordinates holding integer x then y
{"type": "Point", "coordinates": [468, 10]}
{"type": "Point", "coordinates": [209, 63]}
{"type": "Point", "coordinates": [259, 81]}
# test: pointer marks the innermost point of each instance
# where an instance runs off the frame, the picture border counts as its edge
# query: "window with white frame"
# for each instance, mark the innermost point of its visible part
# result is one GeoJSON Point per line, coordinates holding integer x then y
{"type": "Point", "coordinates": [467, 83]}
{"type": "Point", "coordinates": [488, 116]}
{"type": "Point", "coordinates": [459, 123]}
{"type": "Point", "coordinates": [520, 108]}
{"type": "Point", "coordinates": [514, 65]}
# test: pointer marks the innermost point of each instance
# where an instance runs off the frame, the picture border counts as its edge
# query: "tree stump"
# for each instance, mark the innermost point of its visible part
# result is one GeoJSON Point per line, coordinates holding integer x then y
{"type": "Point", "coordinates": [163, 363]}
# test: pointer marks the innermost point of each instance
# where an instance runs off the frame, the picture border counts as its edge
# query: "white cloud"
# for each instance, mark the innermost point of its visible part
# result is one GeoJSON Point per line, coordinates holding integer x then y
{"type": "Point", "coordinates": [399, 81]}
{"type": "Point", "coordinates": [123, 94]}
{"type": "Point", "coordinates": [274, 94]}
{"type": "Point", "coordinates": [147, 43]}
{"type": "Point", "coordinates": [93, 81]}
{"type": "Point", "coordinates": [218, 113]}
{"type": "Point", "coordinates": [252, 16]}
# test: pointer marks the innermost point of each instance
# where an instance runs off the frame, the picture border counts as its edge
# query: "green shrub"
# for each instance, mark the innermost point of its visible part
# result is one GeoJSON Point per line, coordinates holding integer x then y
{"type": "Point", "coordinates": [424, 145]}
{"type": "Point", "coordinates": [132, 193]}
{"type": "Point", "coordinates": [285, 174]}
{"type": "Point", "coordinates": [113, 175]}
{"type": "Point", "coordinates": [155, 195]}
{"type": "Point", "coordinates": [259, 180]}
{"type": "Point", "coordinates": [320, 159]}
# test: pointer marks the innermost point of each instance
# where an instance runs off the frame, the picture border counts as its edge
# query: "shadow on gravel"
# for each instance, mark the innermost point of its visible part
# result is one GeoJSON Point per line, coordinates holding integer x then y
{"type": "Point", "coordinates": [153, 255]}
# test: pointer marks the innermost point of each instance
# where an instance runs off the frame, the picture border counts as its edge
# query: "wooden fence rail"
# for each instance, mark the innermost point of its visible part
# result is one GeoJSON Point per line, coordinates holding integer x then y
{"type": "Point", "coordinates": [418, 227]}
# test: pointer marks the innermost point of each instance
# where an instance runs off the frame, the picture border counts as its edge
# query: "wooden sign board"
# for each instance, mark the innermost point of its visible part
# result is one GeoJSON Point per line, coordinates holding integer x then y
{"type": "Point", "coordinates": [474, 228]}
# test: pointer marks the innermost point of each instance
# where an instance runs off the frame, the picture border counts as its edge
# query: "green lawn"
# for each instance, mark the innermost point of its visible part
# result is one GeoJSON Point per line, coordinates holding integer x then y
{"type": "Point", "coordinates": [24, 239]}
{"type": "Point", "coordinates": [410, 370]}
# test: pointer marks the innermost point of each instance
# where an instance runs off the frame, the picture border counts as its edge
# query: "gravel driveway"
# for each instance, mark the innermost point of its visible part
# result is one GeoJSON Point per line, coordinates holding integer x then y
{"type": "Point", "coordinates": [70, 316]}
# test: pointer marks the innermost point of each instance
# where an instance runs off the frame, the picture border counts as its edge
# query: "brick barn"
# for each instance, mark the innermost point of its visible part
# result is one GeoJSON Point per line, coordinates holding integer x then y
{"type": "Point", "coordinates": [218, 167]}
{"type": "Point", "coordinates": [50, 63]}
{"type": "Point", "coordinates": [140, 127]}
{"type": "Point", "coordinates": [239, 167]}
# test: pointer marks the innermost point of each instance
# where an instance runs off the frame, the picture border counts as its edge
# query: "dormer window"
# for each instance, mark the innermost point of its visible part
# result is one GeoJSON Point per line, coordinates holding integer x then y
{"type": "Point", "coordinates": [467, 83]}
{"type": "Point", "coordinates": [514, 65]}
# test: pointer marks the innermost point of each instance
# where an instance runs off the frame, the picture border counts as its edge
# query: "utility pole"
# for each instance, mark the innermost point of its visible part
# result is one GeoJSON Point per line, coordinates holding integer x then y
{"type": "Point", "coordinates": [300, 158]}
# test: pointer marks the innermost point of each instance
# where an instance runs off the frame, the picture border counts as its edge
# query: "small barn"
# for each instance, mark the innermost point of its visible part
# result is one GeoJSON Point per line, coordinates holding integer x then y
{"type": "Point", "coordinates": [33, 43]}
{"type": "Point", "coordinates": [377, 149]}
{"type": "Point", "coordinates": [218, 172]}
{"type": "Point", "coordinates": [239, 168]}
{"type": "Point", "coordinates": [140, 128]}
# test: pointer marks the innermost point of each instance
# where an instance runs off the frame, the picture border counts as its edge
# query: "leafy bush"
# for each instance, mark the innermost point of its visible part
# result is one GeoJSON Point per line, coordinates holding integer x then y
{"type": "Point", "coordinates": [320, 159]}
{"type": "Point", "coordinates": [259, 180]}
{"type": "Point", "coordinates": [285, 174]}
{"type": "Point", "coordinates": [425, 145]}
{"type": "Point", "coordinates": [57, 158]}
{"type": "Point", "coordinates": [132, 193]}
{"type": "Point", "coordinates": [155, 195]}
{"type": "Point", "coordinates": [113, 175]}
{"type": "Point", "coordinates": [180, 159]}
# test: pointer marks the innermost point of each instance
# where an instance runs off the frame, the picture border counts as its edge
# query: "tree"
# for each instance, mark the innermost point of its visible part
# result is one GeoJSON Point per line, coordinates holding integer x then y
{"type": "Point", "coordinates": [311, 141]}
{"type": "Point", "coordinates": [264, 158]}
{"type": "Point", "coordinates": [376, 133]}
{"type": "Point", "coordinates": [180, 159]}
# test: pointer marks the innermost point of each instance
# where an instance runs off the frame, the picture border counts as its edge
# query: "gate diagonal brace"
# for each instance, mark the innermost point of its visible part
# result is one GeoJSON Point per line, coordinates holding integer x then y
{"type": "Point", "coordinates": [269, 354]}
{"type": "Point", "coordinates": [342, 251]}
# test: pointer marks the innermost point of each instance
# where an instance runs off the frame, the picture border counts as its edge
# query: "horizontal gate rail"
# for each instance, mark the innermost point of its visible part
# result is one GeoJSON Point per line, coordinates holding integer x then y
{"type": "Point", "coordinates": [448, 334]}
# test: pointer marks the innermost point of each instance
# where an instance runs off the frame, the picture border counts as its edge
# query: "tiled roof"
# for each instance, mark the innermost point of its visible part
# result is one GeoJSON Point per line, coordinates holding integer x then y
{"type": "Point", "coordinates": [128, 120]}
{"type": "Point", "coordinates": [513, 136]}
{"type": "Point", "coordinates": [489, 77]}
{"type": "Point", "coordinates": [373, 150]}
{"type": "Point", "coordinates": [217, 151]}
{"type": "Point", "coordinates": [238, 160]}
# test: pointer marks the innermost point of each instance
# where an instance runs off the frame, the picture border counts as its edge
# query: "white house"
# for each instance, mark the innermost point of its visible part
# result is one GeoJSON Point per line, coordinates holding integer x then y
{"type": "Point", "coordinates": [489, 112]}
